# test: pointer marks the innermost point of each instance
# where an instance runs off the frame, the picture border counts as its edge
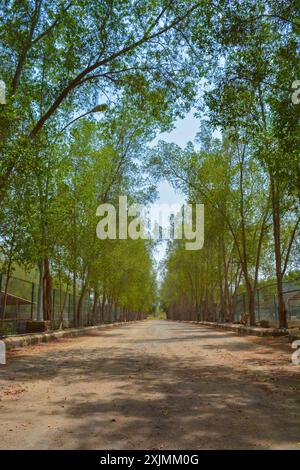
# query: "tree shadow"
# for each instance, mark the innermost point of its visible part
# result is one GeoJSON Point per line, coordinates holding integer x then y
{"type": "Point", "coordinates": [155, 402]}
{"type": "Point", "coordinates": [184, 406]}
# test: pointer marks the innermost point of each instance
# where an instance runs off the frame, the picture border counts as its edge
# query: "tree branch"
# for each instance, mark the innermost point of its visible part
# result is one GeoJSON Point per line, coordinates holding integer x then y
{"type": "Point", "coordinates": [77, 80]}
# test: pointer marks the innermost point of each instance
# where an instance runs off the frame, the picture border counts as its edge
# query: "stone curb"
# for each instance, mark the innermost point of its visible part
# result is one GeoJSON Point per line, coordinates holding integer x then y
{"type": "Point", "coordinates": [19, 341]}
{"type": "Point", "coordinates": [244, 330]}
{"type": "Point", "coordinates": [293, 335]}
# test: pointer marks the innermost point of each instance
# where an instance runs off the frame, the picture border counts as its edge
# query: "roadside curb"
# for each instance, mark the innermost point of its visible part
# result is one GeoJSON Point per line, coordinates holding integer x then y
{"type": "Point", "coordinates": [30, 339]}
{"type": "Point", "coordinates": [244, 330]}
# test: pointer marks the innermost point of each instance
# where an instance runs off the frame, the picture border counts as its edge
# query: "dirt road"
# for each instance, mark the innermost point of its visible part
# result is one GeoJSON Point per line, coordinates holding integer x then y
{"type": "Point", "coordinates": [151, 385]}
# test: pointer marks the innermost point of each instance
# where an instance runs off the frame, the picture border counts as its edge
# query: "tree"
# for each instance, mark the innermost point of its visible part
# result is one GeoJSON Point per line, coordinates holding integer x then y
{"type": "Point", "coordinates": [58, 58]}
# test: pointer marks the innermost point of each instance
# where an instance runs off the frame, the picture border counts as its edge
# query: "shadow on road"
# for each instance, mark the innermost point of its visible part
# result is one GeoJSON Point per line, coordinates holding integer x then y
{"type": "Point", "coordinates": [163, 400]}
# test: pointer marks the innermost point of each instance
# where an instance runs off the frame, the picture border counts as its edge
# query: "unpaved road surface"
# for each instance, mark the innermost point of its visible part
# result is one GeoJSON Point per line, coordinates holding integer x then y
{"type": "Point", "coordinates": [151, 385]}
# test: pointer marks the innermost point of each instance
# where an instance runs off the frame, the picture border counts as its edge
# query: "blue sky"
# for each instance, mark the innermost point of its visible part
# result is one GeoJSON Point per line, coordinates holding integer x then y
{"type": "Point", "coordinates": [185, 131]}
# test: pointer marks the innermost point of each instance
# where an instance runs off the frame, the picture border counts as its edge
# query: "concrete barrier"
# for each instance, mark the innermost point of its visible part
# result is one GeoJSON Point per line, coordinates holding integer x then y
{"type": "Point", "coordinates": [244, 329]}
{"type": "Point", "coordinates": [19, 341]}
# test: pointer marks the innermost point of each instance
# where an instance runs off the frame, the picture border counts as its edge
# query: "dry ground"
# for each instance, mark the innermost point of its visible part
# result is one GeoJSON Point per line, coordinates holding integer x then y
{"type": "Point", "coordinates": [151, 385]}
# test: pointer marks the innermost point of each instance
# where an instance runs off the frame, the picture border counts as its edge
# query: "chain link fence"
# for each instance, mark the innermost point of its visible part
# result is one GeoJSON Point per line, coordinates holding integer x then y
{"type": "Point", "coordinates": [266, 307]}
{"type": "Point", "coordinates": [19, 304]}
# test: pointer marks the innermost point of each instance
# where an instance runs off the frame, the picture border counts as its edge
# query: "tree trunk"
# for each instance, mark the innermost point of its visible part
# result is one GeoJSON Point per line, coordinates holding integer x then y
{"type": "Point", "coordinates": [79, 306]}
{"type": "Point", "coordinates": [6, 288]}
{"type": "Point", "coordinates": [5, 296]}
{"type": "Point", "coordinates": [47, 291]}
{"type": "Point", "coordinates": [102, 308]}
{"type": "Point", "coordinates": [8, 274]}
{"type": "Point", "coordinates": [94, 309]}
{"type": "Point", "coordinates": [40, 315]}
{"type": "Point", "coordinates": [74, 299]}
{"type": "Point", "coordinates": [251, 304]}
{"type": "Point", "coordinates": [282, 313]}
{"type": "Point", "coordinates": [110, 310]}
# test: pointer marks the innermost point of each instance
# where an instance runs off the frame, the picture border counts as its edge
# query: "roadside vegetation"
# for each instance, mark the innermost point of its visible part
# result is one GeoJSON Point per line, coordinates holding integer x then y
{"type": "Point", "coordinates": [88, 87]}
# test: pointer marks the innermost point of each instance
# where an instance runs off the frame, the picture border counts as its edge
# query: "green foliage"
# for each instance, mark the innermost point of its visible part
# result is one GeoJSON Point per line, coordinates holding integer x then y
{"type": "Point", "coordinates": [250, 183]}
{"type": "Point", "coordinates": [7, 329]}
{"type": "Point", "coordinates": [157, 315]}
{"type": "Point", "coordinates": [131, 68]}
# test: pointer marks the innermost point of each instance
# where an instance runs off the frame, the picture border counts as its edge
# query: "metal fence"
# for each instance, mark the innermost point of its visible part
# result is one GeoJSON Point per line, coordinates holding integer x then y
{"type": "Point", "coordinates": [266, 306]}
{"type": "Point", "coordinates": [19, 303]}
